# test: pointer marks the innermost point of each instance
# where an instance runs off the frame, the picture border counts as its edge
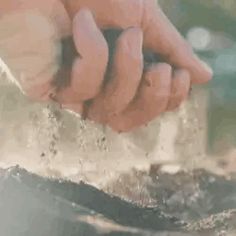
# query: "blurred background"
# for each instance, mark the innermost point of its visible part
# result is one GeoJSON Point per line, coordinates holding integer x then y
{"type": "Point", "coordinates": [210, 28]}
{"type": "Point", "coordinates": [202, 133]}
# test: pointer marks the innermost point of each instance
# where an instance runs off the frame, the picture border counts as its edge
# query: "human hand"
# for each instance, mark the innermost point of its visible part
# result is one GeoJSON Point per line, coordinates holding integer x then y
{"type": "Point", "coordinates": [30, 43]}
{"type": "Point", "coordinates": [88, 71]}
{"type": "Point", "coordinates": [132, 98]}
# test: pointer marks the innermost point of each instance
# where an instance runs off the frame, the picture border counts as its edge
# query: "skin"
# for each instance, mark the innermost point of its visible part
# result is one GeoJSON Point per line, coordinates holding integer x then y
{"type": "Point", "coordinates": [133, 96]}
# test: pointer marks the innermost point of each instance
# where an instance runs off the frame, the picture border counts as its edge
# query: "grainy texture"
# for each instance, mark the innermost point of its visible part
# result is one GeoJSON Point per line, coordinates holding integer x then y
{"type": "Point", "coordinates": [32, 205]}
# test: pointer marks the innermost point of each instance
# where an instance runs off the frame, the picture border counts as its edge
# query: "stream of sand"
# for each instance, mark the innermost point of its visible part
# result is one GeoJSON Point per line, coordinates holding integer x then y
{"type": "Point", "coordinates": [52, 142]}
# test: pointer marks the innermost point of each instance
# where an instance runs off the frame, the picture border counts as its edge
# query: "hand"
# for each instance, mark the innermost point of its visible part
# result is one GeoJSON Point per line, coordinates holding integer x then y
{"type": "Point", "coordinates": [88, 71]}
{"type": "Point", "coordinates": [132, 98]}
{"type": "Point", "coordinates": [30, 43]}
{"type": "Point", "coordinates": [159, 34]}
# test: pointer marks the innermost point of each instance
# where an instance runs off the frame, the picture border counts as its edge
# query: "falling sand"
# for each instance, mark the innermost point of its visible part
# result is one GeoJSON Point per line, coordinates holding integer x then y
{"type": "Point", "coordinates": [52, 142]}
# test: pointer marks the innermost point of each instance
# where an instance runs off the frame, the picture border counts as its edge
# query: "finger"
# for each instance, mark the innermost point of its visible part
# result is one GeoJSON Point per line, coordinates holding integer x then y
{"type": "Point", "coordinates": [160, 34]}
{"type": "Point", "coordinates": [110, 13]}
{"type": "Point", "coordinates": [162, 37]}
{"type": "Point", "coordinates": [59, 16]}
{"type": "Point", "coordinates": [126, 75]}
{"type": "Point", "coordinates": [151, 102]}
{"type": "Point", "coordinates": [89, 69]}
{"type": "Point", "coordinates": [180, 88]}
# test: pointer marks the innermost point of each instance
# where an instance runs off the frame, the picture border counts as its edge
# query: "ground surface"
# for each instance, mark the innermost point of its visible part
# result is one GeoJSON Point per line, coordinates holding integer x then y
{"type": "Point", "coordinates": [32, 205]}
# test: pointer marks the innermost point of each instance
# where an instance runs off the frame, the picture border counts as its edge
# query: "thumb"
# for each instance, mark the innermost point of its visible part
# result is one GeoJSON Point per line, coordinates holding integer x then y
{"type": "Point", "coordinates": [162, 37]}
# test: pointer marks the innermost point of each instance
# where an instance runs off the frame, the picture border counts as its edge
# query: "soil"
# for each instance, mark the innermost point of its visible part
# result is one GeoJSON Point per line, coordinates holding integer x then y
{"type": "Point", "coordinates": [66, 208]}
